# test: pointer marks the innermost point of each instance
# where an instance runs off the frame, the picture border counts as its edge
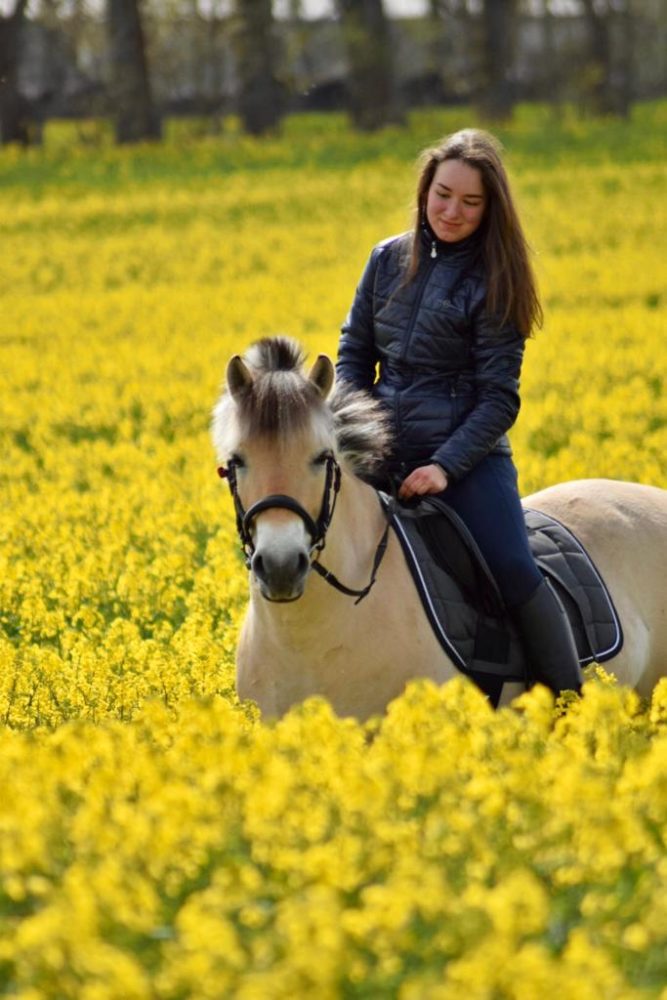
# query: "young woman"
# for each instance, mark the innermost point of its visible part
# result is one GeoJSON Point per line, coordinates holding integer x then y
{"type": "Point", "coordinates": [437, 332]}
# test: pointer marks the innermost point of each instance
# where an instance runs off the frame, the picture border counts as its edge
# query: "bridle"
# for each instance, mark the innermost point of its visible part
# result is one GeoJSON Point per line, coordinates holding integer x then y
{"type": "Point", "coordinates": [317, 529]}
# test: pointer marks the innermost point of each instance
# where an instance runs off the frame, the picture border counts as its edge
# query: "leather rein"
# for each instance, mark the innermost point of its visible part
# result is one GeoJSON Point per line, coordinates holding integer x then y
{"type": "Point", "coordinates": [316, 529]}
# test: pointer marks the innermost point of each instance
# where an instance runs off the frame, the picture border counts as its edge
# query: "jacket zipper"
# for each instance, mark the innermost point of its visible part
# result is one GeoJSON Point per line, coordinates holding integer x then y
{"type": "Point", "coordinates": [420, 291]}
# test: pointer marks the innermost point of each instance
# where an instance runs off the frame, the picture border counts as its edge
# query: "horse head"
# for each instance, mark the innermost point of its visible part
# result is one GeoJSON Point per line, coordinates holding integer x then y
{"type": "Point", "coordinates": [281, 433]}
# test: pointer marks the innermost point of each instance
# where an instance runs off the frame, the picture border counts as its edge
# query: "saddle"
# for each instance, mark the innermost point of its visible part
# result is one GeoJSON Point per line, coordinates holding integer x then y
{"type": "Point", "coordinates": [464, 605]}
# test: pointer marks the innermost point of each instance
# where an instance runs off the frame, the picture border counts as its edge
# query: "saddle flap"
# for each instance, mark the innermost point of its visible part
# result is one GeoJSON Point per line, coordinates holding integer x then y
{"type": "Point", "coordinates": [583, 592]}
{"type": "Point", "coordinates": [460, 597]}
{"type": "Point", "coordinates": [462, 600]}
{"type": "Point", "coordinates": [453, 548]}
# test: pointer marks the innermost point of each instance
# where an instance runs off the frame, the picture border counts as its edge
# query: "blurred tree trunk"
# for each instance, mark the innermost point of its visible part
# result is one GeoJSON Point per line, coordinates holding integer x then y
{"type": "Point", "coordinates": [599, 42]}
{"type": "Point", "coordinates": [611, 87]}
{"type": "Point", "coordinates": [373, 98]}
{"type": "Point", "coordinates": [499, 29]}
{"type": "Point", "coordinates": [135, 114]}
{"type": "Point", "coordinates": [13, 125]}
{"type": "Point", "coordinates": [261, 98]}
{"type": "Point", "coordinates": [435, 13]}
{"type": "Point", "coordinates": [625, 91]}
{"type": "Point", "coordinates": [437, 47]}
{"type": "Point", "coordinates": [550, 81]}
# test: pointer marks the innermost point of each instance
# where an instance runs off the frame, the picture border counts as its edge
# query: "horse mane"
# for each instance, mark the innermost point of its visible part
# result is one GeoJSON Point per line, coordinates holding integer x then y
{"type": "Point", "coordinates": [281, 400]}
{"type": "Point", "coordinates": [361, 427]}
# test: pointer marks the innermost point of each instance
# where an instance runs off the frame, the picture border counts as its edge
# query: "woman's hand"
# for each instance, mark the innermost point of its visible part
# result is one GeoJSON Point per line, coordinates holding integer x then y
{"type": "Point", "coordinates": [424, 480]}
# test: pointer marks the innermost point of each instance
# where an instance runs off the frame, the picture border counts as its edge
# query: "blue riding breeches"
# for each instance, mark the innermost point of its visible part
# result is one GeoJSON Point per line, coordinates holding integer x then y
{"type": "Point", "coordinates": [487, 500]}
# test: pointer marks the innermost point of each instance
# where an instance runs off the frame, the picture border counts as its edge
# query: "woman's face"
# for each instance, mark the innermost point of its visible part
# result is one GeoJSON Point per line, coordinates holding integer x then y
{"type": "Point", "coordinates": [456, 201]}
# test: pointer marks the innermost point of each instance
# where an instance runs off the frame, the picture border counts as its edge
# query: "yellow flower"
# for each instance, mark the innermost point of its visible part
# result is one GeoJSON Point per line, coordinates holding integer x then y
{"type": "Point", "coordinates": [157, 840]}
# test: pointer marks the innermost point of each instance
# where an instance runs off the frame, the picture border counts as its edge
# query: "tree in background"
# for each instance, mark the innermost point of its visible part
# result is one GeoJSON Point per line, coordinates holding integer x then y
{"type": "Point", "coordinates": [87, 58]}
{"type": "Point", "coordinates": [452, 49]}
{"type": "Point", "coordinates": [610, 56]}
{"type": "Point", "coordinates": [260, 96]}
{"type": "Point", "coordinates": [371, 80]}
{"type": "Point", "coordinates": [499, 32]}
{"type": "Point", "coordinates": [135, 116]}
{"type": "Point", "coordinates": [13, 125]}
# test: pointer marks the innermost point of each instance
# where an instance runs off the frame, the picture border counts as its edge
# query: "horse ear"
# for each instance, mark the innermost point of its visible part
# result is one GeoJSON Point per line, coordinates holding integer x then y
{"type": "Point", "coordinates": [322, 375]}
{"type": "Point", "coordinates": [239, 378]}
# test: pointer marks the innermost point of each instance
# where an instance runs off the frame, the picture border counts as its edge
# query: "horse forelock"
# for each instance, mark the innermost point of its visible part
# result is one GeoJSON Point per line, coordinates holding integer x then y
{"type": "Point", "coordinates": [280, 402]}
{"type": "Point", "coordinates": [278, 405]}
{"type": "Point", "coordinates": [275, 354]}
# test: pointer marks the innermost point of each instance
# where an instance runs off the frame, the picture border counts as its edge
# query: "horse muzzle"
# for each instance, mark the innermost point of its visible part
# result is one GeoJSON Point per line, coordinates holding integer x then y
{"type": "Point", "coordinates": [281, 562]}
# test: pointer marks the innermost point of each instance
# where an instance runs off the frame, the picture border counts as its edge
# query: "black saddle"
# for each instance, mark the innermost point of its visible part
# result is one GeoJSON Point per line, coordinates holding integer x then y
{"type": "Point", "coordinates": [464, 605]}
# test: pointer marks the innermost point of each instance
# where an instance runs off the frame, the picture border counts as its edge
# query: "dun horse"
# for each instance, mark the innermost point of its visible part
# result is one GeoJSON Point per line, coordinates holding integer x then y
{"type": "Point", "coordinates": [294, 451]}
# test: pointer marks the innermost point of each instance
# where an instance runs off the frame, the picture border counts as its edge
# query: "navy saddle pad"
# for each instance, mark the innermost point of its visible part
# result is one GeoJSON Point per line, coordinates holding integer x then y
{"type": "Point", "coordinates": [464, 605]}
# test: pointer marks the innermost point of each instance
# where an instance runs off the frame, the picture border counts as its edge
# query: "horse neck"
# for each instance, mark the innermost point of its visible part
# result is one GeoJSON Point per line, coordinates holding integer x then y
{"type": "Point", "coordinates": [356, 529]}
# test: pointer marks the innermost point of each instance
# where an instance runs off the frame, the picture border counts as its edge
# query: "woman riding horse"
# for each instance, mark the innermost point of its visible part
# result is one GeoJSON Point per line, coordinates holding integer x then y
{"type": "Point", "coordinates": [333, 608]}
{"type": "Point", "coordinates": [444, 311]}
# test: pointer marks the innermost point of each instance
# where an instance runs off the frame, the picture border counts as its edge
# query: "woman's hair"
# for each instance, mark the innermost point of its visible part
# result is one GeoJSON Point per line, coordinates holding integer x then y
{"type": "Point", "coordinates": [511, 289]}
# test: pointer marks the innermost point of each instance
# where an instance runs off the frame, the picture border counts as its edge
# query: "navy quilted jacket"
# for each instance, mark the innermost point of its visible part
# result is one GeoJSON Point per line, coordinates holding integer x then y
{"type": "Point", "coordinates": [447, 372]}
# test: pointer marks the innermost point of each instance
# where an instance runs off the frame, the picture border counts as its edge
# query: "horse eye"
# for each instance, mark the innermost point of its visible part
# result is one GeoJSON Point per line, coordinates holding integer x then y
{"type": "Point", "coordinates": [237, 460]}
{"type": "Point", "coordinates": [322, 458]}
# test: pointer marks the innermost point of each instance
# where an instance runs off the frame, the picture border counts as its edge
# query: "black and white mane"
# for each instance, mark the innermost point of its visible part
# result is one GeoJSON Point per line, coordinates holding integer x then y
{"type": "Point", "coordinates": [281, 400]}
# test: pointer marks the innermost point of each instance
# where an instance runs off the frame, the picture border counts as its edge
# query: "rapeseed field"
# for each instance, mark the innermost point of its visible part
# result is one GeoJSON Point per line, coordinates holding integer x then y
{"type": "Point", "coordinates": [157, 840]}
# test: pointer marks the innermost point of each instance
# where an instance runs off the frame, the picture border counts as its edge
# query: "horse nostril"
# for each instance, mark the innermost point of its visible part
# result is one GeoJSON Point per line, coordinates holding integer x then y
{"type": "Point", "coordinates": [295, 566]}
{"type": "Point", "coordinates": [281, 575]}
{"type": "Point", "coordinates": [258, 566]}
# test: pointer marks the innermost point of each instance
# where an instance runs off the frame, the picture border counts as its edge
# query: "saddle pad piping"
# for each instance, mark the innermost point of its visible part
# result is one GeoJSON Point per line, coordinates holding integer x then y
{"type": "Point", "coordinates": [605, 654]}
{"type": "Point", "coordinates": [444, 639]}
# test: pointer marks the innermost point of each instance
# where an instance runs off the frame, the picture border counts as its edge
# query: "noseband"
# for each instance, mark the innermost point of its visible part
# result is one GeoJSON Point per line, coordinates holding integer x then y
{"type": "Point", "coordinates": [316, 529]}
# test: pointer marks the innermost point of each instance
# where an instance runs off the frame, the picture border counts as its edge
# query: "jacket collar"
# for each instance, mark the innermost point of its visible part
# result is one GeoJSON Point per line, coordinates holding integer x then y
{"type": "Point", "coordinates": [462, 251]}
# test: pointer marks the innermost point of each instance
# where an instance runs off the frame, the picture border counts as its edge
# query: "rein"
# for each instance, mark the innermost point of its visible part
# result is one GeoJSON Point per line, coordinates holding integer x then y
{"type": "Point", "coordinates": [316, 529]}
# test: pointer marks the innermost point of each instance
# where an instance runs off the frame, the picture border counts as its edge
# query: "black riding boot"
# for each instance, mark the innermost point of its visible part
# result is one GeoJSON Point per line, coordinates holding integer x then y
{"type": "Point", "coordinates": [548, 641]}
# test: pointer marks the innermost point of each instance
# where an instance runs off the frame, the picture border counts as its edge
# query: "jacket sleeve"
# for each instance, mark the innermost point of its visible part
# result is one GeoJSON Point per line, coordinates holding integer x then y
{"type": "Point", "coordinates": [497, 356]}
{"type": "Point", "coordinates": [357, 354]}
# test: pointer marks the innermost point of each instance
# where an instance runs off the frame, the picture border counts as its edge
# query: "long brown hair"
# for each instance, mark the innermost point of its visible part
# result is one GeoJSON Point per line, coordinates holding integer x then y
{"type": "Point", "coordinates": [511, 288]}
